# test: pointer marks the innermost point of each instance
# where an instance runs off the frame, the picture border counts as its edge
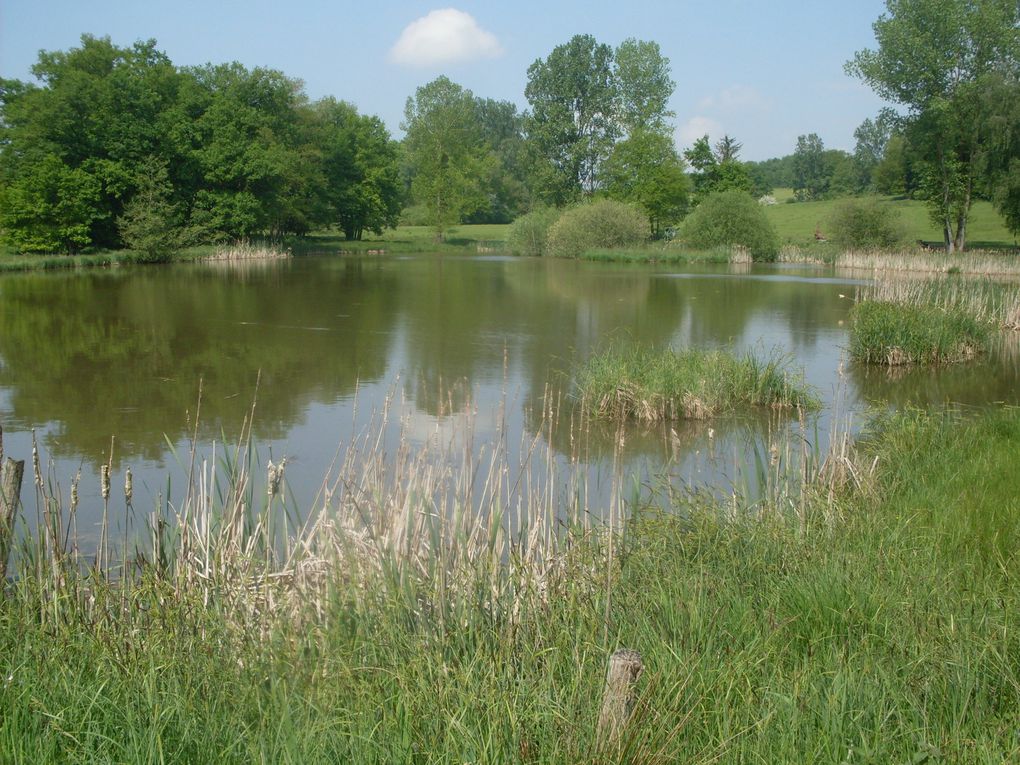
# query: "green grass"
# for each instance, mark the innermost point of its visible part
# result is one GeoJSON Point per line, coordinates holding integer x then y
{"type": "Point", "coordinates": [691, 383]}
{"type": "Point", "coordinates": [894, 333]}
{"type": "Point", "coordinates": [416, 239]}
{"type": "Point", "coordinates": [658, 253]}
{"type": "Point", "coordinates": [877, 626]}
{"type": "Point", "coordinates": [797, 222]}
{"type": "Point", "coordinates": [408, 239]}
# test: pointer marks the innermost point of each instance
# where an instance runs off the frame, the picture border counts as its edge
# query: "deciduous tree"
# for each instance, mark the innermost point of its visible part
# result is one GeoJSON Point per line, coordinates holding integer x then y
{"type": "Point", "coordinates": [573, 122]}
{"type": "Point", "coordinates": [934, 57]}
{"type": "Point", "coordinates": [448, 158]}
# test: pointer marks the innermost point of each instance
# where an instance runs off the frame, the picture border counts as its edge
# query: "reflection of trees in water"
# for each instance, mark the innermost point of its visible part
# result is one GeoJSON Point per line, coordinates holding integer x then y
{"type": "Point", "coordinates": [123, 352]}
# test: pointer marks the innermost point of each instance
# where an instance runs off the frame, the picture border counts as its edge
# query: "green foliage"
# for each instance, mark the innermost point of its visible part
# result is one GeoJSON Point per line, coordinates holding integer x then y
{"type": "Point", "coordinates": [605, 223]}
{"type": "Point", "coordinates": [873, 137]}
{"type": "Point", "coordinates": [50, 207]}
{"type": "Point", "coordinates": [715, 170]}
{"type": "Point", "coordinates": [810, 179]}
{"type": "Point", "coordinates": [891, 175]}
{"type": "Point", "coordinates": [731, 218]}
{"type": "Point", "coordinates": [244, 154]}
{"type": "Point", "coordinates": [153, 223]}
{"type": "Point", "coordinates": [644, 169]}
{"type": "Point", "coordinates": [573, 122]}
{"type": "Point", "coordinates": [865, 224]}
{"type": "Point", "coordinates": [448, 157]}
{"type": "Point", "coordinates": [934, 57]}
{"type": "Point", "coordinates": [895, 333]}
{"type": "Point", "coordinates": [692, 383]}
{"type": "Point", "coordinates": [360, 166]}
{"type": "Point", "coordinates": [645, 85]}
{"type": "Point", "coordinates": [508, 182]}
{"type": "Point", "coordinates": [529, 234]}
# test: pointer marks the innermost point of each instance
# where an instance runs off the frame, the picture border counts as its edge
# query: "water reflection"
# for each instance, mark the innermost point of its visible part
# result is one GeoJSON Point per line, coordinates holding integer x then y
{"type": "Point", "coordinates": [332, 340]}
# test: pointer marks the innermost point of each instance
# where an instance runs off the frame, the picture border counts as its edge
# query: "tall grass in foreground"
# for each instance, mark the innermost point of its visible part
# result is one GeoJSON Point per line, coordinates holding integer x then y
{"type": "Point", "coordinates": [875, 627]}
{"type": "Point", "coordinates": [691, 383]}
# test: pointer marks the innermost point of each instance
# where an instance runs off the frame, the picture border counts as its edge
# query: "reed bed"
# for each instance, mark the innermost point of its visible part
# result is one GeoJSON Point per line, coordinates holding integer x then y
{"type": "Point", "coordinates": [650, 385]}
{"type": "Point", "coordinates": [244, 250]}
{"type": "Point", "coordinates": [396, 626]}
{"type": "Point", "coordinates": [975, 263]}
{"type": "Point", "coordinates": [988, 301]}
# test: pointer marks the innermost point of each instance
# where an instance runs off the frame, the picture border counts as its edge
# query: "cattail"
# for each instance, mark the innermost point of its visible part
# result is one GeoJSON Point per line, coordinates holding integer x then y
{"type": "Point", "coordinates": [104, 481]}
{"type": "Point", "coordinates": [275, 473]}
{"type": "Point", "coordinates": [36, 469]}
{"type": "Point", "coordinates": [128, 487]}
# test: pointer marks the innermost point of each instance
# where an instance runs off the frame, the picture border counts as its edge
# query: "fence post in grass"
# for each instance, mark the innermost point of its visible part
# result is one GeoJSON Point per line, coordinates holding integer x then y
{"type": "Point", "coordinates": [10, 496]}
{"type": "Point", "coordinates": [624, 669]}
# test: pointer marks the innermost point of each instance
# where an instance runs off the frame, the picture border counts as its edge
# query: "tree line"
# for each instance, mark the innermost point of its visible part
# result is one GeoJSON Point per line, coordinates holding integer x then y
{"type": "Point", "coordinates": [117, 146]}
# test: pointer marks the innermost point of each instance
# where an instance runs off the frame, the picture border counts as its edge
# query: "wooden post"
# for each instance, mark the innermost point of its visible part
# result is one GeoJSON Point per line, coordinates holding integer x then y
{"type": "Point", "coordinates": [625, 668]}
{"type": "Point", "coordinates": [10, 497]}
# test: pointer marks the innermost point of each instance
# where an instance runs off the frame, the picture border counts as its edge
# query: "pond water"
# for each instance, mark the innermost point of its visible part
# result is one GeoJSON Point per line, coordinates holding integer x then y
{"type": "Point", "coordinates": [320, 347]}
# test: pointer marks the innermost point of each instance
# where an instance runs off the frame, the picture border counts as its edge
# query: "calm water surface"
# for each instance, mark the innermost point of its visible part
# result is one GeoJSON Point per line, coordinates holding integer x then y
{"type": "Point", "coordinates": [323, 345]}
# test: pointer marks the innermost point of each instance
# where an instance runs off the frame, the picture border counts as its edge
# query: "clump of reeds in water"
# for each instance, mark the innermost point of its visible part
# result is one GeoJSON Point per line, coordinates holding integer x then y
{"type": "Point", "coordinates": [993, 302]}
{"type": "Point", "coordinates": [892, 333]}
{"type": "Point", "coordinates": [646, 384]}
{"type": "Point", "coordinates": [246, 251]}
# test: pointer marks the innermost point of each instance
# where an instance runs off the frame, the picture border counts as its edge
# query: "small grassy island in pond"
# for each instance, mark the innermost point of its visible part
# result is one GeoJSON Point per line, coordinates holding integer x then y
{"type": "Point", "coordinates": [896, 333]}
{"type": "Point", "coordinates": [694, 384]}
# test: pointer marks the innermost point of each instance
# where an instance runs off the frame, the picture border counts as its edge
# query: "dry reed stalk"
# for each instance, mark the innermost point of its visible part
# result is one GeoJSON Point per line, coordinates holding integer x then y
{"type": "Point", "coordinates": [245, 251]}
{"type": "Point", "coordinates": [971, 263]}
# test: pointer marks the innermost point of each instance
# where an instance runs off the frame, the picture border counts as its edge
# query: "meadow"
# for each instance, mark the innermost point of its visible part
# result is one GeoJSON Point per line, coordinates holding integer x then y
{"type": "Point", "coordinates": [797, 222]}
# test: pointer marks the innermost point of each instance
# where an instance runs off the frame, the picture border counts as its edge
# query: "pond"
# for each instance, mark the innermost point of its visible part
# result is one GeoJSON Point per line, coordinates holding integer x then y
{"type": "Point", "coordinates": [320, 350]}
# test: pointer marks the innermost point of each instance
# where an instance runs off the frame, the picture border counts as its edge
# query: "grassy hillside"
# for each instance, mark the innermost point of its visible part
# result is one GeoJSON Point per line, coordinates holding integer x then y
{"type": "Point", "coordinates": [796, 222]}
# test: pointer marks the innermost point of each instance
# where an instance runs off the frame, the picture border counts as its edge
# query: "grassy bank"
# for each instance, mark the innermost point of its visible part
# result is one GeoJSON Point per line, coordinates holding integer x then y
{"type": "Point", "coordinates": [406, 239]}
{"type": "Point", "coordinates": [651, 385]}
{"type": "Point", "coordinates": [870, 624]}
{"type": "Point", "coordinates": [797, 222]}
{"type": "Point", "coordinates": [668, 254]}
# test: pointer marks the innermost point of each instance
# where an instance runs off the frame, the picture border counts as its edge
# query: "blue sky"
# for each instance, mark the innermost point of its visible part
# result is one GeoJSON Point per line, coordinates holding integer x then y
{"type": "Point", "coordinates": [763, 72]}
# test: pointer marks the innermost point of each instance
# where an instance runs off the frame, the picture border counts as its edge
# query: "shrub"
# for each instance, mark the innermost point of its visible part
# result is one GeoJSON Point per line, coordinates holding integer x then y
{"type": "Point", "coordinates": [731, 218]}
{"type": "Point", "coordinates": [529, 234]}
{"type": "Point", "coordinates": [865, 224]}
{"type": "Point", "coordinates": [894, 333]}
{"type": "Point", "coordinates": [598, 225]}
{"type": "Point", "coordinates": [692, 384]}
{"type": "Point", "coordinates": [414, 215]}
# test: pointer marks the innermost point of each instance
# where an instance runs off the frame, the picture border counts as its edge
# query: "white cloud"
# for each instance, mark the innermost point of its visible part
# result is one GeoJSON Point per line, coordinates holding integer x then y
{"type": "Point", "coordinates": [444, 36]}
{"type": "Point", "coordinates": [737, 98]}
{"type": "Point", "coordinates": [695, 128]}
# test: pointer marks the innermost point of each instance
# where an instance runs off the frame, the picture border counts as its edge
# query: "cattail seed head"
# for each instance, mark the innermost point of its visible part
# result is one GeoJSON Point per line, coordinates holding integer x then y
{"type": "Point", "coordinates": [104, 481]}
{"type": "Point", "coordinates": [128, 486]}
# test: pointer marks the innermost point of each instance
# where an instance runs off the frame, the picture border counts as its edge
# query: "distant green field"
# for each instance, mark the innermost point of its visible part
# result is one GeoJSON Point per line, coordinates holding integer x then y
{"type": "Point", "coordinates": [796, 222]}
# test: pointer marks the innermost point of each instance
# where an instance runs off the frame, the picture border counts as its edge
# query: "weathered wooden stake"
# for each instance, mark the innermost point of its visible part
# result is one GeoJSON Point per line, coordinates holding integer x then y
{"type": "Point", "coordinates": [10, 497]}
{"type": "Point", "coordinates": [625, 668]}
